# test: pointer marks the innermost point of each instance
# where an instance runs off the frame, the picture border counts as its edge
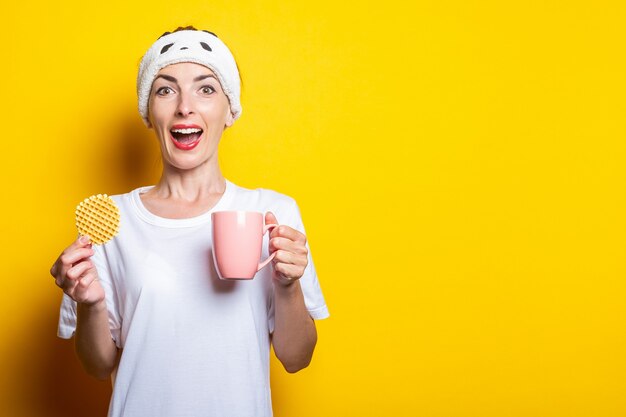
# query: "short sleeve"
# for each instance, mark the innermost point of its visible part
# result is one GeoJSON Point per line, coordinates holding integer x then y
{"type": "Point", "coordinates": [311, 289]}
{"type": "Point", "coordinates": [67, 316]}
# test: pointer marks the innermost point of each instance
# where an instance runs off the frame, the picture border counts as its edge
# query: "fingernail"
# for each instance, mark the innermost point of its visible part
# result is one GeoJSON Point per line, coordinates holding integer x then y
{"type": "Point", "coordinates": [84, 239]}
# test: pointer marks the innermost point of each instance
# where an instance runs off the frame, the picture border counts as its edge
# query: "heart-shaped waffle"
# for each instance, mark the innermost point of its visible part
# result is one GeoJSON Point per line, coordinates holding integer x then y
{"type": "Point", "coordinates": [98, 217]}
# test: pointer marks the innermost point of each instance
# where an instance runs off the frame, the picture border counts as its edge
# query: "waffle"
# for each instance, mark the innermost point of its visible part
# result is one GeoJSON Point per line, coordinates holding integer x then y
{"type": "Point", "coordinates": [98, 217]}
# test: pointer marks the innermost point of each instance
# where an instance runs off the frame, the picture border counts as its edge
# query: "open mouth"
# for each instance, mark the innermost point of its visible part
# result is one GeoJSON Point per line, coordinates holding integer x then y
{"type": "Point", "coordinates": [187, 138]}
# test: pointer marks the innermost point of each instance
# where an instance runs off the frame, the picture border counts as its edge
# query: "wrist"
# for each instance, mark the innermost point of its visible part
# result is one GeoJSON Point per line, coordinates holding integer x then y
{"type": "Point", "coordinates": [94, 307]}
{"type": "Point", "coordinates": [287, 288]}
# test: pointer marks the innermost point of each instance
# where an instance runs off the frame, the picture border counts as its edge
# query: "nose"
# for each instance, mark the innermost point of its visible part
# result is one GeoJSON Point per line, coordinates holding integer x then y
{"type": "Point", "coordinates": [185, 105]}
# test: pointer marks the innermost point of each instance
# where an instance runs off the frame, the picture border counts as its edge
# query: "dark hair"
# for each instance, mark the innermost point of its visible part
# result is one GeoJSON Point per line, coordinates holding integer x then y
{"type": "Point", "coordinates": [185, 28]}
{"type": "Point", "coordinates": [193, 28]}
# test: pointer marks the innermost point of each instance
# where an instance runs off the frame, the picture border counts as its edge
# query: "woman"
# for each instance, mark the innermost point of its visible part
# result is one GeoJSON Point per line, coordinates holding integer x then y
{"type": "Point", "coordinates": [147, 308]}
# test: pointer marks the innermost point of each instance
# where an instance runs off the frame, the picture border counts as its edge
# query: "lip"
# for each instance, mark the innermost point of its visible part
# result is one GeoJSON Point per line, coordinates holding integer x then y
{"type": "Point", "coordinates": [186, 146]}
{"type": "Point", "coordinates": [184, 126]}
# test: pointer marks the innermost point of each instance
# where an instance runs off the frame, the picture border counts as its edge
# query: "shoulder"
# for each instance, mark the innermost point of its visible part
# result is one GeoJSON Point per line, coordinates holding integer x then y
{"type": "Point", "coordinates": [263, 200]}
{"type": "Point", "coordinates": [264, 197]}
{"type": "Point", "coordinates": [127, 198]}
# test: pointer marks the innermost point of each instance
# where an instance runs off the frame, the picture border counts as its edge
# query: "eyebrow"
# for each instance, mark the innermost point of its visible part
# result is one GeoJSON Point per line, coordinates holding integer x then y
{"type": "Point", "coordinates": [174, 80]}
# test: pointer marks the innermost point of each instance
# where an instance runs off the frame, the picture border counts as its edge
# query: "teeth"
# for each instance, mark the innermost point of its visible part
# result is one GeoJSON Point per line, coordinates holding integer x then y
{"type": "Point", "coordinates": [187, 131]}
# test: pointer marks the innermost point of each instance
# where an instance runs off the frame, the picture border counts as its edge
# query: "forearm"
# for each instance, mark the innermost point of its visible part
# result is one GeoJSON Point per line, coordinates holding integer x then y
{"type": "Point", "coordinates": [94, 345]}
{"type": "Point", "coordinates": [294, 336]}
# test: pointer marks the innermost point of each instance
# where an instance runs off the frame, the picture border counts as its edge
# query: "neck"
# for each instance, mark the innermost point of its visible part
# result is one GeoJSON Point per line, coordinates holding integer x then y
{"type": "Point", "coordinates": [190, 185]}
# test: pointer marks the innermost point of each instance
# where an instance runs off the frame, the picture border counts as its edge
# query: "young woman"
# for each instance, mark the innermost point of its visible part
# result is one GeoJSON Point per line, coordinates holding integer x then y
{"type": "Point", "coordinates": [147, 308]}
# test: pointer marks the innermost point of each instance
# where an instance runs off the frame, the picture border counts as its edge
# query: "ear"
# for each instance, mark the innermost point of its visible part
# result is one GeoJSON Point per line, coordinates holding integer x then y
{"type": "Point", "coordinates": [230, 119]}
{"type": "Point", "coordinates": [147, 119]}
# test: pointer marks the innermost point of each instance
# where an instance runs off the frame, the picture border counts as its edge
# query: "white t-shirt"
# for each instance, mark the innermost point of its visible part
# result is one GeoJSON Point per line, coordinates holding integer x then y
{"type": "Point", "coordinates": [193, 345]}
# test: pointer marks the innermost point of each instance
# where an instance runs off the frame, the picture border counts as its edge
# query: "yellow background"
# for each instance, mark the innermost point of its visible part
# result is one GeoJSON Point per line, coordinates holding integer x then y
{"type": "Point", "coordinates": [459, 166]}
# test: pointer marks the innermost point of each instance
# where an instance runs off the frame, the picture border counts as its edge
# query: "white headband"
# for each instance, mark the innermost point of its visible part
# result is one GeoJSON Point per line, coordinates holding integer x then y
{"type": "Point", "coordinates": [195, 46]}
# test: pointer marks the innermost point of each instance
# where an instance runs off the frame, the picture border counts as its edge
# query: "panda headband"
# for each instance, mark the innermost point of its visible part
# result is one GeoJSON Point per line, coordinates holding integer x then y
{"type": "Point", "coordinates": [197, 46]}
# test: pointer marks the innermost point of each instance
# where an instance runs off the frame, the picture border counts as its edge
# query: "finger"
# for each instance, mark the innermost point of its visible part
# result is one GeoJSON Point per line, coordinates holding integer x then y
{"type": "Point", "coordinates": [289, 233]}
{"type": "Point", "coordinates": [87, 279]}
{"type": "Point", "coordinates": [70, 257]}
{"type": "Point", "coordinates": [66, 257]}
{"type": "Point", "coordinates": [80, 242]}
{"type": "Point", "coordinates": [281, 243]}
{"type": "Point", "coordinates": [67, 286]}
{"type": "Point", "coordinates": [84, 273]}
{"type": "Point", "coordinates": [70, 260]}
{"type": "Point", "coordinates": [78, 270]}
{"type": "Point", "coordinates": [288, 271]}
{"type": "Point", "coordinates": [271, 219]}
{"type": "Point", "coordinates": [283, 256]}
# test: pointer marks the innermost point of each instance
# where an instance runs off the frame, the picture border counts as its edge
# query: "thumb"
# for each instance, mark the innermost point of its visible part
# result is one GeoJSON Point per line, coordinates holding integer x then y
{"type": "Point", "coordinates": [270, 218]}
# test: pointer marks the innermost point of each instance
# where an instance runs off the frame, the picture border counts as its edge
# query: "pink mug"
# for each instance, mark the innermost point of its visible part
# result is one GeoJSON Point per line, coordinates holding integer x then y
{"type": "Point", "coordinates": [237, 240]}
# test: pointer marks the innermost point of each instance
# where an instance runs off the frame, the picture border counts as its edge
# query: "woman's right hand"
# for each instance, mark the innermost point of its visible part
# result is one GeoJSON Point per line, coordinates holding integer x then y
{"type": "Point", "coordinates": [74, 272]}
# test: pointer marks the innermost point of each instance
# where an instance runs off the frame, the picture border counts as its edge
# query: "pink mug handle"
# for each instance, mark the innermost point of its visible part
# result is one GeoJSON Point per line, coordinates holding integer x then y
{"type": "Point", "coordinates": [263, 264]}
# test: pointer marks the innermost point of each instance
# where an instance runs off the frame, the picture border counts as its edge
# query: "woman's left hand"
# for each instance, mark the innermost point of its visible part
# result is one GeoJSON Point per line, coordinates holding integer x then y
{"type": "Point", "coordinates": [291, 253]}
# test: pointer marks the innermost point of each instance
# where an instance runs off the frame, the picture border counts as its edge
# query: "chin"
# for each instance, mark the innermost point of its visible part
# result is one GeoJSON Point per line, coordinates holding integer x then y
{"type": "Point", "coordinates": [187, 162]}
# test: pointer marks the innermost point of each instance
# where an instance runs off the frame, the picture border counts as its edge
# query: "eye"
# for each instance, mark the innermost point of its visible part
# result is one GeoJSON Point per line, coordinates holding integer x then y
{"type": "Point", "coordinates": [164, 91]}
{"type": "Point", "coordinates": [207, 89]}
